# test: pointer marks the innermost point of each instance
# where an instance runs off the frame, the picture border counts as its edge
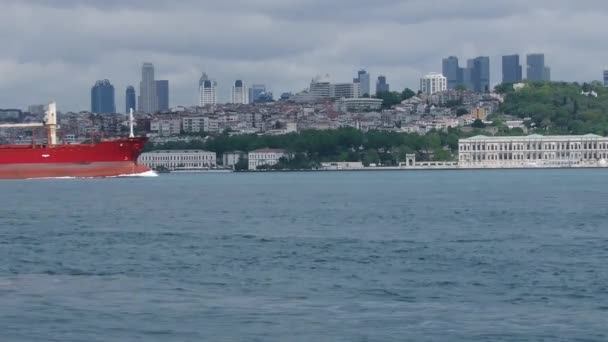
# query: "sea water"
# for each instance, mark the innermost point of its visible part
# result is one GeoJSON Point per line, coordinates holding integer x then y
{"type": "Point", "coordinates": [337, 256]}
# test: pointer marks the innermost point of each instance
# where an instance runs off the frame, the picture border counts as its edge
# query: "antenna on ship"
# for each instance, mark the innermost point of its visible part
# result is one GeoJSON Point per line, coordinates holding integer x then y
{"type": "Point", "coordinates": [131, 134]}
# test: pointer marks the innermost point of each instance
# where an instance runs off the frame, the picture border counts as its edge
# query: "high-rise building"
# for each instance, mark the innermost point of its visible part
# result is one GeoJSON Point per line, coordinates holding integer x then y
{"type": "Point", "coordinates": [345, 90]}
{"type": "Point", "coordinates": [147, 101]}
{"type": "Point", "coordinates": [511, 69]}
{"type": "Point", "coordinates": [453, 72]}
{"type": "Point", "coordinates": [207, 91]}
{"type": "Point", "coordinates": [255, 91]}
{"type": "Point", "coordinates": [162, 95]}
{"type": "Point", "coordinates": [240, 93]}
{"type": "Point", "coordinates": [130, 102]}
{"type": "Point", "coordinates": [363, 79]}
{"type": "Point", "coordinates": [320, 86]}
{"type": "Point", "coordinates": [479, 69]}
{"type": "Point", "coordinates": [102, 97]}
{"type": "Point", "coordinates": [433, 83]}
{"type": "Point", "coordinates": [537, 71]}
{"type": "Point", "coordinates": [606, 78]}
{"type": "Point", "coordinates": [381, 85]}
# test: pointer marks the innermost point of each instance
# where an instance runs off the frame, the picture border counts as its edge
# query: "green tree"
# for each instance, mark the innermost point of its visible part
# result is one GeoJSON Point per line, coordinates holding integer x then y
{"type": "Point", "coordinates": [478, 124]}
{"type": "Point", "coordinates": [462, 111]}
{"type": "Point", "coordinates": [407, 93]}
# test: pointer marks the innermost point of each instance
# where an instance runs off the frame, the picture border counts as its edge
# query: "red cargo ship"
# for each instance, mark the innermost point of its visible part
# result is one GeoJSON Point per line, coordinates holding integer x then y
{"type": "Point", "coordinates": [98, 159]}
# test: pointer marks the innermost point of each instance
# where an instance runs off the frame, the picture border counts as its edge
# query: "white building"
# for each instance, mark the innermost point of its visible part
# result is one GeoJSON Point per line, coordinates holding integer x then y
{"type": "Point", "coordinates": [433, 83]}
{"type": "Point", "coordinates": [240, 93]}
{"type": "Point", "coordinates": [533, 151]}
{"type": "Point", "coordinates": [193, 124]}
{"type": "Point", "coordinates": [166, 126]}
{"type": "Point", "coordinates": [266, 156]}
{"type": "Point", "coordinates": [320, 87]}
{"type": "Point", "coordinates": [207, 91]}
{"type": "Point", "coordinates": [345, 90]}
{"type": "Point", "coordinates": [229, 159]}
{"type": "Point", "coordinates": [178, 159]}
{"type": "Point", "coordinates": [361, 104]}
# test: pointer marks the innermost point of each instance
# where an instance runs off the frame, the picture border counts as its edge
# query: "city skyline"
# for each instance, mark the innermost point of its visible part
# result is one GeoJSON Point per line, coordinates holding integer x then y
{"type": "Point", "coordinates": [336, 41]}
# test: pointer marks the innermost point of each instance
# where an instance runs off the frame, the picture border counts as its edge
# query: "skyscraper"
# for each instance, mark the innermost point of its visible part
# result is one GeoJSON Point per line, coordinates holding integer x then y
{"type": "Point", "coordinates": [364, 82]}
{"type": "Point", "coordinates": [130, 99]}
{"type": "Point", "coordinates": [102, 97]}
{"type": "Point", "coordinates": [381, 85]}
{"type": "Point", "coordinates": [511, 69]}
{"type": "Point", "coordinates": [148, 102]}
{"type": "Point", "coordinates": [537, 71]}
{"type": "Point", "coordinates": [433, 83]}
{"type": "Point", "coordinates": [606, 78]}
{"type": "Point", "coordinates": [162, 95]}
{"type": "Point", "coordinates": [240, 93]}
{"type": "Point", "coordinates": [479, 69]}
{"type": "Point", "coordinates": [207, 91]}
{"type": "Point", "coordinates": [255, 92]}
{"type": "Point", "coordinates": [453, 72]}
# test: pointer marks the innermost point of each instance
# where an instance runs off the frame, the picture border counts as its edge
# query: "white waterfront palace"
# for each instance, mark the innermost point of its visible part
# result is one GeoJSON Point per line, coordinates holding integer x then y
{"type": "Point", "coordinates": [178, 159]}
{"type": "Point", "coordinates": [535, 150]}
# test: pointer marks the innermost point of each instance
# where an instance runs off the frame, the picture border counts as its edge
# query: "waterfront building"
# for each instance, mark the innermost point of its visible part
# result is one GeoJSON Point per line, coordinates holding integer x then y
{"type": "Point", "coordinates": [130, 102]}
{"type": "Point", "coordinates": [606, 78]}
{"type": "Point", "coordinates": [102, 98]}
{"type": "Point", "coordinates": [268, 156]}
{"type": "Point", "coordinates": [162, 95]}
{"type": "Point", "coordinates": [148, 101]}
{"type": "Point", "coordinates": [361, 104]}
{"type": "Point", "coordinates": [240, 93]}
{"type": "Point", "coordinates": [363, 79]}
{"type": "Point", "coordinates": [511, 69]}
{"type": "Point", "coordinates": [433, 83]}
{"type": "Point", "coordinates": [536, 69]}
{"type": "Point", "coordinates": [345, 90]}
{"type": "Point", "coordinates": [230, 159]}
{"type": "Point", "coordinates": [381, 85]}
{"type": "Point", "coordinates": [179, 159]}
{"type": "Point", "coordinates": [533, 151]}
{"type": "Point", "coordinates": [478, 74]}
{"type": "Point", "coordinates": [453, 72]}
{"type": "Point", "coordinates": [207, 89]}
{"type": "Point", "coordinates": [255, 92]}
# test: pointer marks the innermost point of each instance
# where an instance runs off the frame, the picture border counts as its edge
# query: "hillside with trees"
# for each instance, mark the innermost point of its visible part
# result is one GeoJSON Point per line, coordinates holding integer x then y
{"type": "Point", "coordinates": [559, 107]}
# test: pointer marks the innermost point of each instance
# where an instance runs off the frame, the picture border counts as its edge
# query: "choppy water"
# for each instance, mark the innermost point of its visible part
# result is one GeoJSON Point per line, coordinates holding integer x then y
{"type": "Point", "coordinates": [384, 256]}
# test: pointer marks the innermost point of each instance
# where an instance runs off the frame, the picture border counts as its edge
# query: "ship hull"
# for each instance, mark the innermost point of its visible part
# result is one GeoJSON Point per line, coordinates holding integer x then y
{"type": "Point", "coordinates": [102, 159]}
{"type": "Point", "coordinates": [57, 170]}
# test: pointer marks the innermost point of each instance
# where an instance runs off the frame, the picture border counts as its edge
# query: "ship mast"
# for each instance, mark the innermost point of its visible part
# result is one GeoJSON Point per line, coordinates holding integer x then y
{"type": "Point", "coordinates": [50, 120]}
{"type": "Point", "coordinates": [131, 134]}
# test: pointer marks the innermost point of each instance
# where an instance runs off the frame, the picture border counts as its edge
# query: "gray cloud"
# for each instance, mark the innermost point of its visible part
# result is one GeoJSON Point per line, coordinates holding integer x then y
{"type": "Point", "coordinates": [59, 48]}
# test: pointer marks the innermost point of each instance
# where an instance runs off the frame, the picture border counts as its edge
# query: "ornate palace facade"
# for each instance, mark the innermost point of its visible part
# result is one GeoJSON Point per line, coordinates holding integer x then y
{"type": "Point", "coordinates": [535, 150]}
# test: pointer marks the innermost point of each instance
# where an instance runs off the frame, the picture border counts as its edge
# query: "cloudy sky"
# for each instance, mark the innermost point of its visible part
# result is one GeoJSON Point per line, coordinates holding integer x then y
{"type": "Point", "coordinates": [57, 49]}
